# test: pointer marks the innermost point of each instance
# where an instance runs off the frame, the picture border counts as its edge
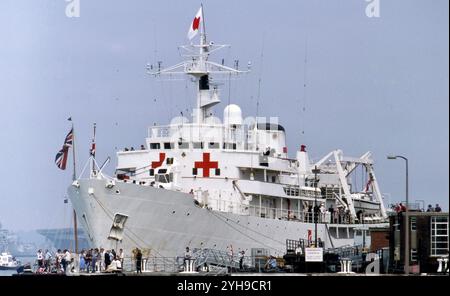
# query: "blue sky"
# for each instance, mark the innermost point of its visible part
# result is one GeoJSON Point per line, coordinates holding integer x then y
{"type": "Point", "coordinates": [378, 84]}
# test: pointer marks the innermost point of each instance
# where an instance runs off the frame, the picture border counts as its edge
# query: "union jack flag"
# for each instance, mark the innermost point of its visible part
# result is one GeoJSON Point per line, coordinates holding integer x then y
{"type": "Point", "coordinates": [69, 139]}
{"type": "Point", "coordinates": [61, 157]}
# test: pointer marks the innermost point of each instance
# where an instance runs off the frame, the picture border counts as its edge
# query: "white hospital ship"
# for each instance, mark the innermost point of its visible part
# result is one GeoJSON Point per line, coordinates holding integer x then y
{"type": "Point", "coordinates": [223, 183]}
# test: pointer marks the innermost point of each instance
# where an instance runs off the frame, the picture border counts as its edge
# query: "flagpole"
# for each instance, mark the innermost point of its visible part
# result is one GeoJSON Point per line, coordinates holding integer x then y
{"type": "Point", "coordinates": [74, 174]}
{"type": "Point", "coordinates": [93, 151]}
{"type": "Point", "coordinates": [74, 177]}
{"type": "Point", "coordinates": [203, 25]}
{"type": "Point", "coordinates": [203, 57]}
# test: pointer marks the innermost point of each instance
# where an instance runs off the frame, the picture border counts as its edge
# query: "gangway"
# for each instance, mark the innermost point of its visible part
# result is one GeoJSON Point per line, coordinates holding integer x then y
{"type": "Point", "coordinates": [218, 261]}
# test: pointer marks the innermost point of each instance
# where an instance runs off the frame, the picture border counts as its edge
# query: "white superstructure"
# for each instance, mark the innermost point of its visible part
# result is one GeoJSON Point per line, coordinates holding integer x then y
{"type": "Point", "coordinates": [221, 183]}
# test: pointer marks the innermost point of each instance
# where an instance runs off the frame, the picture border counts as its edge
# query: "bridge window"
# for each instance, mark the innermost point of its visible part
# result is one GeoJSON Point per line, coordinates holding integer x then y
{"type": "Point", "coordinates": [155, 145]}
{"type": "Point", "coordinates": [161, 179]}
{"type": "Point", "coordinates": [231, 146]}
{"type": "Point", "coordinates": [197, 145]}
{"type": "Point", "coordinates": [183, 145]}
{"type": "Point", "coordinates": [213, 145]}
{"type": "Point", "coordinates": [168, 145]}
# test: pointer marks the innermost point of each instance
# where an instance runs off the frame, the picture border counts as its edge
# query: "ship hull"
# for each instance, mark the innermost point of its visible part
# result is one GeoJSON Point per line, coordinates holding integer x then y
{"type": "Point", "coordinates": [10, 267]}
{"type": "Point", "coordinates": [166, 222]}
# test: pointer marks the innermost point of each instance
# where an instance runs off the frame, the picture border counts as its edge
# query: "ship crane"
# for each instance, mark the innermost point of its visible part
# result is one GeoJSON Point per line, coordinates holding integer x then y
{"type": "Point", "coordinates": [344, 166]}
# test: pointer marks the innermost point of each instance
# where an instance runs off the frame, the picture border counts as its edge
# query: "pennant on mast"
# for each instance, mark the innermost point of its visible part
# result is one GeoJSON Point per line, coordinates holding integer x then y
{"type": "Point", "coordinates": [92, 150]}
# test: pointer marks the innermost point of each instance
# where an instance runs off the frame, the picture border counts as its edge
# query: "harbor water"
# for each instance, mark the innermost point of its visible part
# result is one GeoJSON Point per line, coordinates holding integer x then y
{"type": "Point", "coordinates": [23, 260]}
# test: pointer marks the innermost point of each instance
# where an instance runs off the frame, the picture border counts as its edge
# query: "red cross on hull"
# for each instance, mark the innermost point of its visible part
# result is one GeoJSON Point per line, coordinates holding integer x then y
{"type": "Point", "coordinates": [206, 164]}
{"type": "Point", "coordinates": [156, 164]}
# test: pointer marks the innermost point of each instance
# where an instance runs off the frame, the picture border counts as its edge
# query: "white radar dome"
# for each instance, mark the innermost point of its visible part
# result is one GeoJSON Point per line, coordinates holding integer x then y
{"type": "Point", "coordinates": [232, 115]}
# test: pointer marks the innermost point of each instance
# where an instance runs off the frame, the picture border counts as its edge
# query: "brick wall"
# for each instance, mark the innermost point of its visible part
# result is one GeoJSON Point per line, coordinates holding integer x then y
{"type": "Point", "coordinates": [379, 239]}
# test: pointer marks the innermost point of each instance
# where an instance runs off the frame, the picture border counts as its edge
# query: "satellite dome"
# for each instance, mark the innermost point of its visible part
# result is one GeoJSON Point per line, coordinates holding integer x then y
{"type": "Point", "coordinates": [232, 115]}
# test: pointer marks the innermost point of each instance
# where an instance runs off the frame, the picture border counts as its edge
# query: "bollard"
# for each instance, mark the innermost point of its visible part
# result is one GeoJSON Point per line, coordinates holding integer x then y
{"type": "Point", "coordinates": [144, 265]}
{"type": "Point", "coordinates": [343, 266]}
{"type": "Point", "coordinates": [189, 266]}
{"type": "Point", "coordinates": [349, 266]}
{"type": "Point", "coordinates": [443, 265]}
{"type": "Point", "coordinates": [440, 260]}
{"type": "Point", "coordinates": [346, 266]}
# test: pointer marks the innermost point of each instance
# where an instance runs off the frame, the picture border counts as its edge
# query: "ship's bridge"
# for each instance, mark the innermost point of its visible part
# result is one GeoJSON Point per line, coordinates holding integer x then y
{"type": "Point", "coordinates": [196, 136]}
{"type": "Point", "coordinates": [267, 138]}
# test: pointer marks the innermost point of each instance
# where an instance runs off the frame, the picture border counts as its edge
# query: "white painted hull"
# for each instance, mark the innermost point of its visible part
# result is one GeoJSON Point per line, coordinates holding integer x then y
{"type": "Point", "coordinates": [168, 221]}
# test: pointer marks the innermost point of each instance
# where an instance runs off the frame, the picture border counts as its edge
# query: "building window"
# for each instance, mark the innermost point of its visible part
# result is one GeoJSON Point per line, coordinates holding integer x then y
{"type": "Point", "coordinates": [413, 223]}
{"type": "Point", "coordinates": [413, 255]}
{"type": "Point", "coordinates": [439, 236]}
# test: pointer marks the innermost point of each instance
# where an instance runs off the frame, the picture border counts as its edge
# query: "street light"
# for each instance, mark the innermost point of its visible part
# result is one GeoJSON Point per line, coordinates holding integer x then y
{"type": "Point", "coordinates": [315, 214]}
{"type": "Point", "coordinates": [406, 214]}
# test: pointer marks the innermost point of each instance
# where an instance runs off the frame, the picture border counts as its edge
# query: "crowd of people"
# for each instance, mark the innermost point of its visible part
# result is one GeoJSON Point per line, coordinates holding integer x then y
{"type": "Point", "coordinates": [400, 208]}
{"type": "Point", "coordinates": [90, 261]}
{"type": "Point", "coordinates": [436, 209]}
{"type": "Point", "coordinates": [132, 148]}
{"type": "Point", "coordinates": [319, 213]}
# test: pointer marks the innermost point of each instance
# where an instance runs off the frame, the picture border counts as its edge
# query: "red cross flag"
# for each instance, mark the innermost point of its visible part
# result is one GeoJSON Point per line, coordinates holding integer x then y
{"type": "Point", "coordinates": [195, 25]}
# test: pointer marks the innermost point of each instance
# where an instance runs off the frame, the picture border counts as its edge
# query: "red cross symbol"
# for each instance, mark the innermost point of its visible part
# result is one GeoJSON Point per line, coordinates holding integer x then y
{"type": "Point", "coordinates": [206, 165]}
{"type": "Point", "coordinates": [159, 163]}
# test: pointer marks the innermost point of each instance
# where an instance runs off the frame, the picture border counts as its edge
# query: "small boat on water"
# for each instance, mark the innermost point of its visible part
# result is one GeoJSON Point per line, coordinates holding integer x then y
{"type": "Point", "coordinates": [8, 262]}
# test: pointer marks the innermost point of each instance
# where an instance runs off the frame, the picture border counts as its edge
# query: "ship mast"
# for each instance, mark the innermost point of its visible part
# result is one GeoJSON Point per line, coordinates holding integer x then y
{"type": "Point", "coordinates": [198, 65]}
{"type": "Point", "coordinates": [74, 177]}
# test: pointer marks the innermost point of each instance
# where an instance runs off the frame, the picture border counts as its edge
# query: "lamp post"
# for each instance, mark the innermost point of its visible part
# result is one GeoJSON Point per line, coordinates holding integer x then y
{"type": "Point", "coordinates": [406, 214]}
{"type": "Point", "coordinates": [315, 171]}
